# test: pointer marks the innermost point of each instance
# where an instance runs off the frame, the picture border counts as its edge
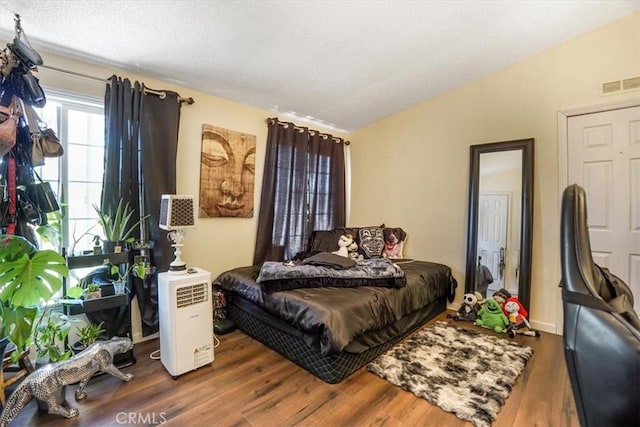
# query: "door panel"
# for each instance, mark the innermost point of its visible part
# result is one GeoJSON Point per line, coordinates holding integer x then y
{"type": "Point", "coordinates": [604, 158]}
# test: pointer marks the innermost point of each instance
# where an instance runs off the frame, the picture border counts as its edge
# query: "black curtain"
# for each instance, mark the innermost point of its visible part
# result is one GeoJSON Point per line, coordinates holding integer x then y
{"type": "Point", "coordinates": [303, 189]}
{"type": "Point", "coordinates": [141, 146]}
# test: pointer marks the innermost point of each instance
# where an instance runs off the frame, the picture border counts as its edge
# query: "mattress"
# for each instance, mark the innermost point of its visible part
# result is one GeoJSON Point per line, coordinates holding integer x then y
{"type": "Point", "coordinates": [342, 328]}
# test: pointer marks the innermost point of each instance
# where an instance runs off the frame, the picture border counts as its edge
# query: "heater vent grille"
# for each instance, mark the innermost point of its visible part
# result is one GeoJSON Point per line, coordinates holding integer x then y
{"type": "Point", "coordinates": [193, 294]}
{"type": "Point", "coordinates": [620, 85]}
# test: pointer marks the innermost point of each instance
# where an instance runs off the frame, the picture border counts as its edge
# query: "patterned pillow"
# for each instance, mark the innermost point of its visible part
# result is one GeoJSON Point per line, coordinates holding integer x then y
{"type": "Point", "coordinates": [371, 241]}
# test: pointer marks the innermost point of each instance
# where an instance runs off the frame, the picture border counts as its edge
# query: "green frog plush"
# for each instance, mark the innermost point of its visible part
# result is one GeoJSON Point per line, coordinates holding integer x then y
{"type": "Point", "coordinates": [491, 316]}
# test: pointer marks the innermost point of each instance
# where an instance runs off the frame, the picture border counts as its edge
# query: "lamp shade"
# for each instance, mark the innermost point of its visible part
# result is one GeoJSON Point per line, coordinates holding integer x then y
{"type": "Point", "coordinates": [177, 211]}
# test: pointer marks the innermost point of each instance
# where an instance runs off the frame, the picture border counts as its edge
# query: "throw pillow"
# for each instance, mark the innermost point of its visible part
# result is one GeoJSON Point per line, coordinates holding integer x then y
{"type": "Point", "coordinates": [394, 238]}
{"type": "Point", "coordinates": [371, 241]}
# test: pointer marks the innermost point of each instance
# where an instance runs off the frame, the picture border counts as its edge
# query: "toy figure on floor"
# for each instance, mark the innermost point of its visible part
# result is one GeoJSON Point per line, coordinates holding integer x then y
{"type": "Point", "coordinates": [468, 311]}
{"type": "Point", "coordinates": [517, 315]}
{"type": "Point", "coordinates": [491, 316]}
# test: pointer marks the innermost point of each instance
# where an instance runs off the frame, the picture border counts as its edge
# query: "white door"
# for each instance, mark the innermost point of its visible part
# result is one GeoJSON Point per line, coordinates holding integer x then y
{"type": "Point", "coordinates": [604, 158]}
{"type": "Point", "coordinates": [492, 235]}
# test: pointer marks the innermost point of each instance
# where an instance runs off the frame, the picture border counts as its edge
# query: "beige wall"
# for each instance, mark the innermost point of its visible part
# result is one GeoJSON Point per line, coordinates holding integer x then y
{"type": "Point", "coordinates": [217, 244]}
{"type": "Point", "coordinates": [422, 154]}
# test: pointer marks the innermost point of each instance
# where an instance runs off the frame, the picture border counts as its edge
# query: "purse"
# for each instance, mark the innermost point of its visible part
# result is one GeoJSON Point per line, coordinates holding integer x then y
{"type": "Point", "coordinates": [45, 142]}
{"type": "Point", "coordinates": [9, 127]}
{"type": "Point", "coordinates": [42, 195]}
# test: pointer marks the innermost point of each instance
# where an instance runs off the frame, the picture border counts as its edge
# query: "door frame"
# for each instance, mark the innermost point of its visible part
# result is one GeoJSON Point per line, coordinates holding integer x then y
{"type": "Point", "coordinates": [563, 169]}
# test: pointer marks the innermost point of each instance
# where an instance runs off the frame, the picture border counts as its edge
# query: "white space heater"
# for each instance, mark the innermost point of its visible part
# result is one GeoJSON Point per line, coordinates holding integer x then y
{"type": "Point", "coordinates": [186, 321]}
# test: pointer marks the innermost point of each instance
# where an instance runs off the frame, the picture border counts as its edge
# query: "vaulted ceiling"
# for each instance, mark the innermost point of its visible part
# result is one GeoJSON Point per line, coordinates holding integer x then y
{"type": "Point", "coordinates": [343, 64]}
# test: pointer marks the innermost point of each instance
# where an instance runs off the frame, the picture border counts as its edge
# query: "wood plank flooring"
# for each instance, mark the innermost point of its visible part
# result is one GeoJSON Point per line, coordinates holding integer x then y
{"type": "Point", "coordinates": [251, 385]}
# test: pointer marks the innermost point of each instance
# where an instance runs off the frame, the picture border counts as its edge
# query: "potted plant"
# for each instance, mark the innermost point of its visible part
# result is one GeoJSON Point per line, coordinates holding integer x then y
{"type": "Point", "coordinates": [87, 335]}
{"type": "Point", "coordinates": [115, 226]}
{"type": "Point", "coordinates": [48, 336]}
{"type": "Point", "coordinates": [28, 277]}
{"type": "Point", "coordinates": [120, 282]}
{"type": "Point", "coordinates": [92, 291]}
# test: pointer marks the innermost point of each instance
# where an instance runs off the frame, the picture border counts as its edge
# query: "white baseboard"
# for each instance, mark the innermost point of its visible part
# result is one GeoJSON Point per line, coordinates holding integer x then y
{"type": "Point", "coordinates": [543, 326]}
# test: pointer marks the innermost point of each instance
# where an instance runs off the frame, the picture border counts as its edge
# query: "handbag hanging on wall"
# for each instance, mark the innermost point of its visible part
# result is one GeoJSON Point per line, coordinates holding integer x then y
{"type": "Point", "coordinates": [8, 127]}
{"type": "Point", "coordinates": [42, 195]}
{"type": "Point", "coordinates": [45, 141]}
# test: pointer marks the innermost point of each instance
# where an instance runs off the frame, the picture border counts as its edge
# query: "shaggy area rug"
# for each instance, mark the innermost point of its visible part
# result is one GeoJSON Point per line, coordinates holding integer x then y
{"type": "Point", "coordinates": [462, 371]}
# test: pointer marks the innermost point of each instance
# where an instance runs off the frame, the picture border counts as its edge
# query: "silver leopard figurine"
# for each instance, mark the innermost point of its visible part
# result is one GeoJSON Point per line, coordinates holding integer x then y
{"type": "Point", "coordinates": [46, 383]}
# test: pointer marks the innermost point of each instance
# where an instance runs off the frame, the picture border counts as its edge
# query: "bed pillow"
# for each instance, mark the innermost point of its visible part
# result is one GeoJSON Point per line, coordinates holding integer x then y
{"type": "Point", "coordinates": [327, 241]}
{"type": "Point", "coordinates": [371, 241]}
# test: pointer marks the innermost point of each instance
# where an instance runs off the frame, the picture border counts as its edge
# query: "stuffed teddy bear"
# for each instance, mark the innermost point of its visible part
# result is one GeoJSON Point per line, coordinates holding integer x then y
{"type": "Point", "coordinates": [344, 242]}
{"type": "Point", "coordinates": [468, 311]}
{"type": "Point", "coordinates": [517, 315]}
{"type": "Point", "coordinates": [491, 316]}
{"type": "Point", "coordinates": [353, 252]}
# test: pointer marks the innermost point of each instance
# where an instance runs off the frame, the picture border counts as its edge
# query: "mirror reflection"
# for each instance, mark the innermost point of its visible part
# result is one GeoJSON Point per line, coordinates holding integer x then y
{"type": "Point", "coordinates": [500, 219]}
{"type": "Point", "coordinates": [499, 208]}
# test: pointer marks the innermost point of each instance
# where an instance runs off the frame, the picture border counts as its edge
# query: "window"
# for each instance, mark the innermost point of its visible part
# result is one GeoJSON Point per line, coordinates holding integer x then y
{"type": "Point", "coordinates": [77, 175]}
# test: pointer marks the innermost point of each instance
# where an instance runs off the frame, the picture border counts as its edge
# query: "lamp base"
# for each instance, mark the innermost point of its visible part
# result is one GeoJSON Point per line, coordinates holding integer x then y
{"type": "Point", "coordinates": [177, 267]}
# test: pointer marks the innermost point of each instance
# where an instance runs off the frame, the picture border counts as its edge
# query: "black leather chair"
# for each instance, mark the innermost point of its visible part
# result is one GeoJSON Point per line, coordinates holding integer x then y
{"type": "Point", "coordinates": [601, 329]}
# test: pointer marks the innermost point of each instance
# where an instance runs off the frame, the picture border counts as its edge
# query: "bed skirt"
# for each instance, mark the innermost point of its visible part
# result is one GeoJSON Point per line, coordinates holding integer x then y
{"type": "Point", "coordinates": [332, 368]}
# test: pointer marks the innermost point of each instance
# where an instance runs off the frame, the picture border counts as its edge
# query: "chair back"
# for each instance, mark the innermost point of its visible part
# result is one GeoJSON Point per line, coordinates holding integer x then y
{"type": "Point", "coordinates": [601, 333]}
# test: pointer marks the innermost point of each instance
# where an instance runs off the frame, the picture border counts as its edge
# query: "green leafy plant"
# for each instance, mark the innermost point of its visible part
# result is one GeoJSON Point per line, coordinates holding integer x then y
{"type": "Point", "coordinates": [92, 287]}
{"type": "Point", "coordinates": [140, 270]}
{"type": "Point", "coordinates": [48, 334]}
{"type": "Point", "coordinates": [28, 278]}
{"type": "Point", "coordinates": [115, 225]}
{"type": "Point", "coordinates": [89, 333]}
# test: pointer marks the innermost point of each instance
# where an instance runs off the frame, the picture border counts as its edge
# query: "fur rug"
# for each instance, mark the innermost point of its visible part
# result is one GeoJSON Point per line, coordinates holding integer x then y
{"type": "Point", "coordinates": [462, 371]}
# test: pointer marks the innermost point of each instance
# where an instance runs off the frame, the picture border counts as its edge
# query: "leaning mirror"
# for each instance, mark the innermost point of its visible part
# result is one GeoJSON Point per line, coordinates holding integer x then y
{"type": "Point", "coordinates": [500, 219]}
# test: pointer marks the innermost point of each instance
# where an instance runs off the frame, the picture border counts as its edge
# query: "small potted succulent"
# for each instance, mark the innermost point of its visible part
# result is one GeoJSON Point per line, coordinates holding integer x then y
{"type": "Point", "coordinates": [92, 291]}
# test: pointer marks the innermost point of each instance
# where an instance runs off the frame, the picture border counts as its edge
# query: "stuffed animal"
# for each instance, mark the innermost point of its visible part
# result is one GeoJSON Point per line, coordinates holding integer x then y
{"type": "Point", "coordinates": [491, 316]}
{"type": "Point", "coordinates": [353, 252]}
{"type": "Point", "coordinates": [501, 295]}
{"type": "Point", "coordinates": [344, 242]}
{"type": "Point", "coordinates": [468, 311]}
{"type": "Point", "coordinates": [393, 242]}
{"type": "Point", "coordinates": [517, 315]}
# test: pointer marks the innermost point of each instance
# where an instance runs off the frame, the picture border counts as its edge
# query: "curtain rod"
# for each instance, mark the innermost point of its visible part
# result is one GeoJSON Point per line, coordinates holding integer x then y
{"type": "Point", "coordinates": [161, 94]}
{"type": "Point", "coordinates": [311, 131]}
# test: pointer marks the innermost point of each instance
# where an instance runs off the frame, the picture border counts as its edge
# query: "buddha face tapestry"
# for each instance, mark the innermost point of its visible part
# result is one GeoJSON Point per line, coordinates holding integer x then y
{"type": "Point", "coordinates": [227, 172]}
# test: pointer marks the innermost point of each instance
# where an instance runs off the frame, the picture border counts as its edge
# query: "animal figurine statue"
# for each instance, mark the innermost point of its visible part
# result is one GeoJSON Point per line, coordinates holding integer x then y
{"type": "Point", "coordinates": [468, 311]}
{"type": "Point", "coordinates": [46, 383]}
{"type": "Point", "coordinates": [491, 316]}
{"type": "Point", "coordinates": [344, 242]}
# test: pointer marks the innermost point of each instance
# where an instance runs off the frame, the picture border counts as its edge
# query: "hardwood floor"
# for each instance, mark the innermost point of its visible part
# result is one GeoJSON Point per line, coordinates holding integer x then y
{"type": "Point", "coordinates": [251, 385]}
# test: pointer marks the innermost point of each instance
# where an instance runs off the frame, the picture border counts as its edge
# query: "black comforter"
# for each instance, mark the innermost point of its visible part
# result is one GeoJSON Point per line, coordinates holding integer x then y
{"type": "Point", "coordinates": [338, 315]}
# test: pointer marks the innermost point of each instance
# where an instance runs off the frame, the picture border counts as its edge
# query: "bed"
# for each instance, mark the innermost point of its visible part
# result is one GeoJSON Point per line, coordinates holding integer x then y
{"type": "Point", "coordinates": [331, 331]}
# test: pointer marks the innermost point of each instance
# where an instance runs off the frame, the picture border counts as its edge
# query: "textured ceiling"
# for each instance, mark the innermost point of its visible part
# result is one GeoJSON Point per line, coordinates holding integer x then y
{"type": "Point", "coordinates": [343, 64]}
